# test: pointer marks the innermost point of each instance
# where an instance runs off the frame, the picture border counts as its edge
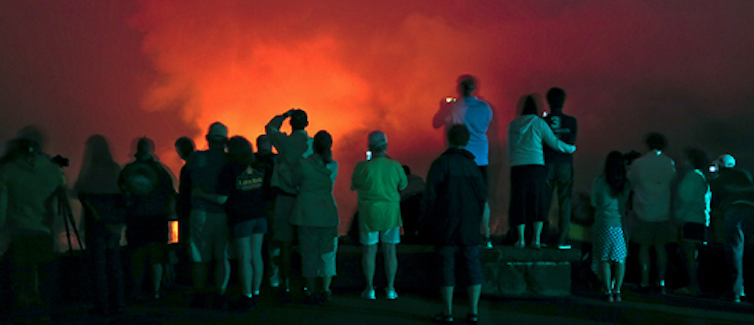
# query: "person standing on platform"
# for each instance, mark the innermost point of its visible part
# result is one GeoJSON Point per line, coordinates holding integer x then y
{"type": "Point", "coordinates": [560, 165]}
{"type": "Point", "coordinates": [476, 114]}
{"type": "Point", "coordinates": [209, 223]}
{"type": "Point", "coordinates": [378, 182]}
{"type": "Point", "coordinates": [527, 135]}
{"type": "Point", "coordinates": [610, 194]}
{"type": "Point", "coordinates": [291, 148]}
{"type": "Point", "coordinates": [452, 208]}
{"type": "Point", "coordinates": [650, 178]}
{"type": "Point", "coordinates": [316, 216]}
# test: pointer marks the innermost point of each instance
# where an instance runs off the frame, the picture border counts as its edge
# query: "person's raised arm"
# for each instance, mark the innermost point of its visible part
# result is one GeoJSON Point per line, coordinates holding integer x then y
{"type": "Point", "coordinates": [551, 140]}
{"type": "Point", "coordinates": [443, 116]}
{"type": "Point", "coordinates": [273, 127]}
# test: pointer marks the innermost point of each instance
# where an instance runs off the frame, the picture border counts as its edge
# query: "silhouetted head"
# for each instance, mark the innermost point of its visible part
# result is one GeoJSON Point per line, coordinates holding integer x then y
{"type": "Point", "coordinates": [615, 172]}
{"type": "Point", "coordinates": [407, 170]}
{"type": "Point", "coordinates": [33, 134]}
{"type": "Point", "coordinates": [97, 150]}
{"type": "Point", "coordinates": [466, 85]}
{"type": "Point", "coordinates": [377, 142]}
{"type": "Point", "coordinates": [530, 106]}
{"type": "Point", "coordinates": [656, 141]}
{"type": "Point", "coordinates": [144, 148]}
{"type": "Point", "coordinates": [299, 120]}
{"type": "Point", "coordinates": [217, 136]}
{"type": "Point", "coordinates": [264, 146]}
{"type": "Point", "coordinates": [556, 97]}
{"type": "Point", "coordinates": [185, 147]}
{"type": "Point", "coordinates": [322, 145]}
{"type": "Point", "coordinates": [458, 136]}
{"type": "Point", "coordinates": [696, 159]}
{"type": "Point", "coordinates": [20, 148]}
{"type": "Point", "coordinates": [240, 151]}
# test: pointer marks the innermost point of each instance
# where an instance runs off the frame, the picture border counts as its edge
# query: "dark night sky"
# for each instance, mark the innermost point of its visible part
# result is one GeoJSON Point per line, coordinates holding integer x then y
{"type": "Point", "coordinates": [164, 69]}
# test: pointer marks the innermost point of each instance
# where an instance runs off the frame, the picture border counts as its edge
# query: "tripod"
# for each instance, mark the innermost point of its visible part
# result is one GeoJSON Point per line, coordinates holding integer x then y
{"type": "Point", "coordinates": [64, 209]}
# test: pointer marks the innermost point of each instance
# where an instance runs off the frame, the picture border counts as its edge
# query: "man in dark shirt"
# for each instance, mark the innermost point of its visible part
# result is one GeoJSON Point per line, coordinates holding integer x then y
{"type": "Point", "coordinates": [452, 210]}
{"type": "Point", "coordinates": [209, 224]}
{"type": "Point", "coordinates": [560, 165]}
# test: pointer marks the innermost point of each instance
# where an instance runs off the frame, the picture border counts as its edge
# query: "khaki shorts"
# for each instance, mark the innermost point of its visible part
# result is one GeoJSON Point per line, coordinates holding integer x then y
{"type": "Point", "coordinates": [282, 229]}
{"type": "Point", "coordinates": [390, 236]}
{"type": "Point", "coordinates": [209, 236]}
{"type": "Point", "coordinates": [650, 233]}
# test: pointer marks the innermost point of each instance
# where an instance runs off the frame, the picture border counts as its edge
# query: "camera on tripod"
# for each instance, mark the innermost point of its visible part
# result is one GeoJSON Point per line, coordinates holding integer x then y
{"type": "Point", "coordinates": [61, 161]}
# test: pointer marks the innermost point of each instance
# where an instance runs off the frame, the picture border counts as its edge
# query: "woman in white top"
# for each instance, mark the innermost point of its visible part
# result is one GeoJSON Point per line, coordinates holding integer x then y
{"type": "Point", "coordinates": [527, 135]}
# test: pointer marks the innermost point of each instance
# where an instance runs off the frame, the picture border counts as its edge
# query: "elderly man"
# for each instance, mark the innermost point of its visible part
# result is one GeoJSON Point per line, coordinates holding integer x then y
{"type": "Point", "coordinates": [378, 182]}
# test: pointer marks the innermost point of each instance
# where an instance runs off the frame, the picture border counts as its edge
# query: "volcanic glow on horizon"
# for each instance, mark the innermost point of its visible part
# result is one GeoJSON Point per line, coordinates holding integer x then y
{"type": "Point", "coordinates": [167, 69]}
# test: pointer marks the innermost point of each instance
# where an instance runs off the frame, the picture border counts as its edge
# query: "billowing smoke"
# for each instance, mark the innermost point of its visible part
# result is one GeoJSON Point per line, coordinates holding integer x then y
{"type": "Point", "coordinates": [167, 69]}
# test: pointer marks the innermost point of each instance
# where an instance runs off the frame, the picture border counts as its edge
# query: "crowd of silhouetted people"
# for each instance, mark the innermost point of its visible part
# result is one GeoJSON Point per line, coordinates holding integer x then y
{"type": "Point", "coordinates": [261, 202]}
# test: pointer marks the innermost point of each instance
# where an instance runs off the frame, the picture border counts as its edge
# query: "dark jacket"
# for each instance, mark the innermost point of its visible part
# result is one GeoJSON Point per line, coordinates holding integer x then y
{"type": "Point", "coordinates": [453, 201]}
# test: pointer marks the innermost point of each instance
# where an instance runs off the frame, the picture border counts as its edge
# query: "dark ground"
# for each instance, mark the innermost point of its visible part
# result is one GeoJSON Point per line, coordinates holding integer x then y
{"type": "Point", "coordinates": [415, 306]}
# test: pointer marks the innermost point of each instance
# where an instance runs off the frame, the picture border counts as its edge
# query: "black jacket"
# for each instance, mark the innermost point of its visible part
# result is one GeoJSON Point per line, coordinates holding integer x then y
{"type": "Point", "coordinates": [453, 201]}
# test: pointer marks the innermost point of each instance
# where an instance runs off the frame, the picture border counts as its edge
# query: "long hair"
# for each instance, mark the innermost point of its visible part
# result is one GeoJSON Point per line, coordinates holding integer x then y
{"type": "Point", "coordinates": [323, 145]}
{"type": "Point", "coordinates": [615, 173]}
{"type": "Point", "coordinates": [99, 171]}
{"type": "Point", "coordinates": [240, 151]}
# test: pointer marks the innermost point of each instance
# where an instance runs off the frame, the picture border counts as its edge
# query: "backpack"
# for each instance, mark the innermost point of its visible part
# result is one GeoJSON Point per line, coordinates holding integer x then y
{"type": "Point", "coordinates": [141, 179]}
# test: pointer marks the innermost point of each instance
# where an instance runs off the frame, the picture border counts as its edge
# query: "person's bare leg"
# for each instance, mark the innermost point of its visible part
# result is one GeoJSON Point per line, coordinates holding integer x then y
{"type": "Point", "coordinates": [486, 220]}
{"type": "Point", "coordinates": [391, 264]}
{"type": "Point", "coordinates": [607, 279]}
{"type": "Point", "coordinates": [257, 265]}
{"type": "Point", "coordinates": [245, 272]}
{"type": "Point", "coordinates": [475, 292]}
{"type": "Point", "coordinates": [537, 232]}
{"type": "Point", "coordinates": [620, 272]}
{"type": "Point", "coordinates": [369, 253]}
{"type": "Point", "coordinates": [662, 263]}
{"type": "Point", "coordinates": [446, 294]}
{"type": "Point", "coordinates": [520, 230]}
{"type": "Point", "coordinates": [644, 263]}
{"type": "Point", "coordinates": [326, 282]}
{"type": "Point", "coordinates": [311, 285]}
{"type": "Point", "coordinates": [222, 270]}
{"type": "Point", "coordinates": [285, 264]}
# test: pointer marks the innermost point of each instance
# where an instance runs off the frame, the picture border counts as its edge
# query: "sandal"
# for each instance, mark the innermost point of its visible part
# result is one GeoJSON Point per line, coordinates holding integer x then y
{"type": "Point", "coordinates": [617, 297]}
{"type": "Point", "coordinates": [472, 319]}
{"type": "Point", "coordinates": [519, 244]}
{"type": "Point", "coordinates": [442, 319]}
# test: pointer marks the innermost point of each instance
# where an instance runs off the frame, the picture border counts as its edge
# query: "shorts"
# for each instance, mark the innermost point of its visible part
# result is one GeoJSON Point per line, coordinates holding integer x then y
{"type": "Point", "coordinates": [248, 228]}
{"type": "Point", "coordinates": [318, 249]}
{"type": "Point", "coordinates": [282, 228]}
{"type": "Point", "coordinates": [209, 236]}
{"type": "Point", "coordinates": [609, 244]}
{"type": "Point", "coordinates": [471, 260]}
{"type": "Point", "coordinates": [695, 232]}
{"type": "Point", "coordinates": [650, 233]}
{"type": "Point", "coordinates": [390, 236]}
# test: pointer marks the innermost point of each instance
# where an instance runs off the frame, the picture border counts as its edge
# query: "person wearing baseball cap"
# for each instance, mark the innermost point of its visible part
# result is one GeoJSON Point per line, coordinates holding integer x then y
{"type": "Point", "coordinates": [208, 240]}
{"type": "Point", "coordinates": [378, 182]}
